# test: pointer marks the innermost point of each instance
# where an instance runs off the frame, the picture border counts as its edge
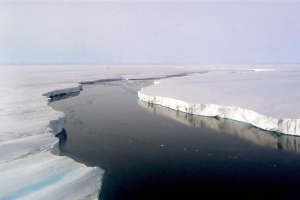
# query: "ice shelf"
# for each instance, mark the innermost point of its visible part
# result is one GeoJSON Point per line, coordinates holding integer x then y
{"type": "Point", "coordinates": [266, 98]}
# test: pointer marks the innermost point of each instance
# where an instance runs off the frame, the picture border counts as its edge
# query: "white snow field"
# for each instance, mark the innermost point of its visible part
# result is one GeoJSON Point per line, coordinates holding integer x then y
{"type": "Point", "coordinates": [30, 165]}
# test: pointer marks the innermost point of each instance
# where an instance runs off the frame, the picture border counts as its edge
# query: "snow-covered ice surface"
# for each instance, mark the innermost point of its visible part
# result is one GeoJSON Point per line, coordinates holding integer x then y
{"type": "Point", "coordinates": [266, 97]}
{"type": "Point", "coordinates": [30, 165]}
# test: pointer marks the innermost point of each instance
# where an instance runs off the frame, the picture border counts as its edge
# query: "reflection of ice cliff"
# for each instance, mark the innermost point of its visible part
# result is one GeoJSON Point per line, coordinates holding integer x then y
{"type": "Point", "coordinates": [242, 130]}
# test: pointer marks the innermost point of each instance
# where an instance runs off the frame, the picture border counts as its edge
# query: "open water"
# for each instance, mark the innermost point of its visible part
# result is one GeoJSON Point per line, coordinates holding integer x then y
{"type": "Point", "coordinates": [151, 152]}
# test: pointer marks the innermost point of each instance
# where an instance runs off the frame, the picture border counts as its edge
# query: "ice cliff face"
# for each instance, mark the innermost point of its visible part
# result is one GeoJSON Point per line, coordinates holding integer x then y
{"type": "Point", "coordinates": [286, 126]}
{"type": "Point", "coordinates": [30, 165]}
{"type": "Point", "coordinates": [258, 136]}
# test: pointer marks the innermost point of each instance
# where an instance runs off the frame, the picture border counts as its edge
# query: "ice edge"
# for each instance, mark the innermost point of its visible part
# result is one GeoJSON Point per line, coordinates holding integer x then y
{"type": "Point", "coordinates": [285, 126]}
{"type": "Point", "coordinates": [56, 126]}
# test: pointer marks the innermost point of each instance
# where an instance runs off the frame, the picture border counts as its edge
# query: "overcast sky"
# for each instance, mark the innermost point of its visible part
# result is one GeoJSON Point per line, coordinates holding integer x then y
{"type": "Point", "coordinates": [139, 32]}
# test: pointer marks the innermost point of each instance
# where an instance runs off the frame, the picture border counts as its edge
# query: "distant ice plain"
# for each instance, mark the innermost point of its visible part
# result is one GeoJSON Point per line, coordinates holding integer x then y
{"type": "Point", "coordinates": [30, 166]}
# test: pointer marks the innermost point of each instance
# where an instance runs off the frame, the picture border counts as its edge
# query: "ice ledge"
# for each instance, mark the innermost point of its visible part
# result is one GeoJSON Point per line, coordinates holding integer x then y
{"type": "Point", "coordinates": [63, 91]}
{"type": "Point", "coordinates": [57, 125]}
{"type": "Point", "coordinates": [92, 175]}
{"type": "Point", "coordinates": [45, 174]}
{"type": "Point", "coordinates": [286, 126]}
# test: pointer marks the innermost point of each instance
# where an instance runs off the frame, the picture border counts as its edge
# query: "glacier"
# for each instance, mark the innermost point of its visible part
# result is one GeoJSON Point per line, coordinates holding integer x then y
{"type": "Point", "coordinates": [30, 165]}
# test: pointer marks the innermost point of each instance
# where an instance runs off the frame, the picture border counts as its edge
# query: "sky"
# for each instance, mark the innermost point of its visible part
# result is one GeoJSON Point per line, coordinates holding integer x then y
{"type": "Point", "coordinates": [149, 32]}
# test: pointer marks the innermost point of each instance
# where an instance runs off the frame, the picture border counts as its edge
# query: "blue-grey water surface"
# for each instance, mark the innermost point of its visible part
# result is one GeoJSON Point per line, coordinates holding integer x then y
{"type": "Point", "coordinates": [151, 152]}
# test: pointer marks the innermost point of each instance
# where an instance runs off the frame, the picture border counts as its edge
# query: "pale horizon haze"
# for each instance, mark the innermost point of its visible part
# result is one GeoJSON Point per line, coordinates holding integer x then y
{"type": "Point", "coordinates": [149, 32]}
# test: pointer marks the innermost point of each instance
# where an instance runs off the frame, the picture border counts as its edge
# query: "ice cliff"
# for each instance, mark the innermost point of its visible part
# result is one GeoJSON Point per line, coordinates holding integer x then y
{"type": "Point", "coordinates": [268, 99]}
{"type": "Point", "coordinates": [250, 133]}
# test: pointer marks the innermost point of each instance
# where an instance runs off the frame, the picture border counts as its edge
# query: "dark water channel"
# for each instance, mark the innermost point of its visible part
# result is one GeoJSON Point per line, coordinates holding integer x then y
{"type": "Point", "coordinates": [151, 152]}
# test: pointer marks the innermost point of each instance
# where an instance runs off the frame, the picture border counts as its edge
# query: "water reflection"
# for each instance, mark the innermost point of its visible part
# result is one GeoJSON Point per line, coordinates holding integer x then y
{"type": "Point", "coordinates": [62, 136]}
{"type": "Point", "coordinates": [242, 130]}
